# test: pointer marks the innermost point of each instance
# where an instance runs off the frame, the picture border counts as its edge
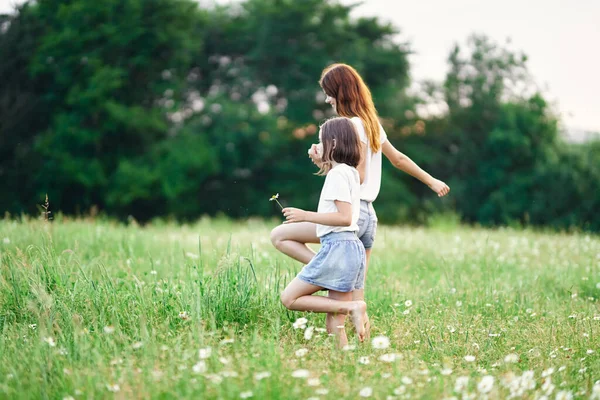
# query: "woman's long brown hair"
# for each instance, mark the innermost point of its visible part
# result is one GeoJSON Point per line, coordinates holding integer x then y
{"type": "Point", "coordinates": [353, 99]}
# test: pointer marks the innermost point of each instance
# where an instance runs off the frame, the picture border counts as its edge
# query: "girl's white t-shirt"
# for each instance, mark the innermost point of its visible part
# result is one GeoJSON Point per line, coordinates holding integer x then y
{"type": "Point", "coordinates": [369, 190]}
{"type": "Point", "coordinates": [342, 183]}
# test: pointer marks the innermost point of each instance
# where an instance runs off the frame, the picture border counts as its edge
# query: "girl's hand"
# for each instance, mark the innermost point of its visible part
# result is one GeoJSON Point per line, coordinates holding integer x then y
{"type": "Point", "coordinates": [439, 187]}
{"type": "Point", "coordinates": [293, 215]}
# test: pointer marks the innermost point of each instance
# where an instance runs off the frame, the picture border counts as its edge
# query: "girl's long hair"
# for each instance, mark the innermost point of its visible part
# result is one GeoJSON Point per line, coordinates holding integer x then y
{"type": "Point", "coordinates": [353, 99]}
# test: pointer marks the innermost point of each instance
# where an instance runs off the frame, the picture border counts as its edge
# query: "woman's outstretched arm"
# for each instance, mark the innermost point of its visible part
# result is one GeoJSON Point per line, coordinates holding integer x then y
{"type": "Point", "coordinates": [404, 163]}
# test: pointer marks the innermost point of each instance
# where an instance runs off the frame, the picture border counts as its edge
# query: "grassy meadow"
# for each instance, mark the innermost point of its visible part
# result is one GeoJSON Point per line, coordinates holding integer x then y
{"type": "Point", "coordinates": [95, 309]}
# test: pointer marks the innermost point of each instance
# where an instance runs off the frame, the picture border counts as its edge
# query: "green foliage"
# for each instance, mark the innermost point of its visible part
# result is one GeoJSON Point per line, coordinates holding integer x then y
{"type": "Point", "coordinates": [163, 109]}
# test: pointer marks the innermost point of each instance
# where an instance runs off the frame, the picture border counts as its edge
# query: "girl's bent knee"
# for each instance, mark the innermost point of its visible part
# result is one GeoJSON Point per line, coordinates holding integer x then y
{"type": "Point", "coordinates": [286, 300]}
{"type": "Point", "coordinates": [276, 237]}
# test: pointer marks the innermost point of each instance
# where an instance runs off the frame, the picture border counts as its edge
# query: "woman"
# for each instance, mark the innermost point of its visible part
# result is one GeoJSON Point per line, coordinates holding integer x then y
{"type": "Point", "coordinates": [350, 97]}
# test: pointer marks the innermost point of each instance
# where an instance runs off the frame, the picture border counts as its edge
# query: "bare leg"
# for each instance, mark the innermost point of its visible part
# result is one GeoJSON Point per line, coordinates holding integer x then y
{"type": "Point", "coordinates": [297, 296]}
{"type": "Point", "coordinates": [359, 294]}
{"type": "Point", "coordinates": [291, 239]}
{"type": "Point", "coordinates": [335, 322]}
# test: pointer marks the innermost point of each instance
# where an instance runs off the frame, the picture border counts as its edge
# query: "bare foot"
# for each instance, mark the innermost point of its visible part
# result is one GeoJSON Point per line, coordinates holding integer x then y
{"type": "Point", "coordinates": [358, 312]}
{"type": "Point", "coordinates": [367, 327]}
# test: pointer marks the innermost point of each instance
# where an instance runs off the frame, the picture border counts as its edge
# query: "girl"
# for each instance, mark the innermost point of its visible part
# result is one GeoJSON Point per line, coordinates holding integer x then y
{"type": "Point", "coordinates": [339, 265]}
{"type": "Point", "coordinates": [350, 97]}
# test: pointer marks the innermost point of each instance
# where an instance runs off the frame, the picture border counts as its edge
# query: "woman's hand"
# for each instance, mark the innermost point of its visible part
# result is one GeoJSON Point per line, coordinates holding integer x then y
{"type": "Point", "coordinates": [292, 214]}
{"type": "Point", "coordinates": [315, 156]}
{"type": "Point", "coordinates": [439, 187]}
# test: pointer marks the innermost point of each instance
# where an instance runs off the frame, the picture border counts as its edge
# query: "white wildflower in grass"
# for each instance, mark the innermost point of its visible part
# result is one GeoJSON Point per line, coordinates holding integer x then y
{"type": "Point", "coordinates": [400, 390]}
{"type": "Point", "coordinates": [224, 360]}
{"type": "Point", "coordinates": [547, 386]}
{"type": "Point", "coordinates": [564, 395]}
{"type": "Point", "coordinates": [313, 382]}
{"type": "Point", "coordinates": [380, 342]}
{"type": "Point", "coordinates": [50, 341]}
{"type": "Point", "coordinates": [214, 378]}
{"type": "Point", "coordinates": [227, 341]}
{"type": "Point", "coordinates": [386, 375]}
{"type": "Point", "coordinates": [406, 312]}
{"type": "Point", "coordinates": [322, 391]}
{"type": "Point", "coordinates": [184, 315]}
{"type": "Point", "coordinates": [109, 329]}
{"type": "Point", "coordinates": [408, 303]}
{"type": "Point", "coordinates": [406, 380]}
{"type": "Point", "coordinates": [459, 303]}
{"type": "Point", "coordinates": [320, 330]}
{"type": "Point", "coordinates": [390, 357]}
{"type": "Point", "coordinates": [192, 256]}
{"type": "Point", "coordinates": [153, 272]}
{"type": "Point", "coordinates": [366, 392]}
{"type": "Point", "coordinates": [300, 373]}
{"type": "Point", "coordinates": [113, 388]}
{"type": "Point", "coordinates": [529, 311]}
{"type": "Point", "coordinates": [525, 382]}
{"type": "Point", "coordinates": [33, 326]}
{"type": "Point", "coordinates": [364, 360]}
{"type": "Point", "coordinates": [259, 376]}
{"type": "Point", "coordinates": [446, 371]}
{"type": "Point", "coordinates": [561, 368]}
{"type": "Point", "coordinates": [486, 384]}
{"type": "Point", "coordinates": [137, 345]}
{"type": "Point", "coordinates": [229, 374]}
{"type": "Point", "coordinates": [68, 398]}
{"type": "Point", "coordinates": [199, 367]}
{"type": "Point", "coordinates": [451, 329]}
{"type": "Point", "coordinates": [511, 358]}
{"type": "Point", "coordinates": [547, 372]}
{"type": "Point", "coordinates": [205, 353]}
{"type": "Point", "coordinates": [301, 352]}
{"type": "Point", "coordinates": [62, 351]}
{"type": "Point", "coordinates": [590, 351]}
{"type": "Point", "coordinates": [595, 392]}
{"type": "Point", "coordinates": [246, 395]}
{"type": "Point", "coordinates": [349, 347]}
{"type": "Point", "coordinates": [461, 384]}
{"type": "Point", "coordinates": [6, 240]}
{"type": "Point", "coordinates": [300, 323]}
{"type": "Point", "coordinates": [469, 358]}
{"type": "Point", "coordinates": [308, 333]}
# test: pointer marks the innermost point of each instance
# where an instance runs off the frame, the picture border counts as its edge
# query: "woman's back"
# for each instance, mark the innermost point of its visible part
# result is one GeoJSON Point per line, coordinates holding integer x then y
{"type": "Point", "coordinates": [369, 189]}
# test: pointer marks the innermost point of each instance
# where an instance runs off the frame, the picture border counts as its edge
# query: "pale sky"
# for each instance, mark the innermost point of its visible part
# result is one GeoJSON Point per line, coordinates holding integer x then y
{"type": "Point", "coordinates": [561, 39]}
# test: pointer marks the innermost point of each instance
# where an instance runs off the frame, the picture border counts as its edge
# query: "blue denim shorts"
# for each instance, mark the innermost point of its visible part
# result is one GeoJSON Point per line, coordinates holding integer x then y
{"type": "Point", "coordinates": [339, 265]}
{"type": "Point", "coordinates": [367, 224]}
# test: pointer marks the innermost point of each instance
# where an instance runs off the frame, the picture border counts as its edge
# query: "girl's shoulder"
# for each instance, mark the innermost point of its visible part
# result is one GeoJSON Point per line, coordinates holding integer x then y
{"type": "Point", "coordinates": [344, 171]}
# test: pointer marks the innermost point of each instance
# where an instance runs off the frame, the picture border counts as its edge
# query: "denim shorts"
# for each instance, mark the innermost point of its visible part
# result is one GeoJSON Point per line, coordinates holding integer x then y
{"type": "Point", "coordinates": [367, 224]}
{"type": "Point", "coordinates": [339, 265]}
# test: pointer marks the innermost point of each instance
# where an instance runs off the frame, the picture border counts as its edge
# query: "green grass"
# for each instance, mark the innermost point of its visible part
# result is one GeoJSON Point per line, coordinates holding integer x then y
{"type": "Point", "coordinates": [485, 293]}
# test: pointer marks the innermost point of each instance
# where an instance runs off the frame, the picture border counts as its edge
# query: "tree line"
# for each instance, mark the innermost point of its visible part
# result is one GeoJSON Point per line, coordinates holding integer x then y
{"type": "Point", "coordinates": [156, 108]}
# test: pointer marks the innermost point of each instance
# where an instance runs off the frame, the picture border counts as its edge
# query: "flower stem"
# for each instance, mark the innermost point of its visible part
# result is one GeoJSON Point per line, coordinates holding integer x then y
{"type": "Point", "coordinates": [279, 203]}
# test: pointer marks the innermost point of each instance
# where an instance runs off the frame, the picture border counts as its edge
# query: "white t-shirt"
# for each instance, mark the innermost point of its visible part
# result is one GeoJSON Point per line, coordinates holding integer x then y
{"type": "Point", "coordinates": [342, 183]}
{"type": "Point", "coordinates": [369, 190]}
